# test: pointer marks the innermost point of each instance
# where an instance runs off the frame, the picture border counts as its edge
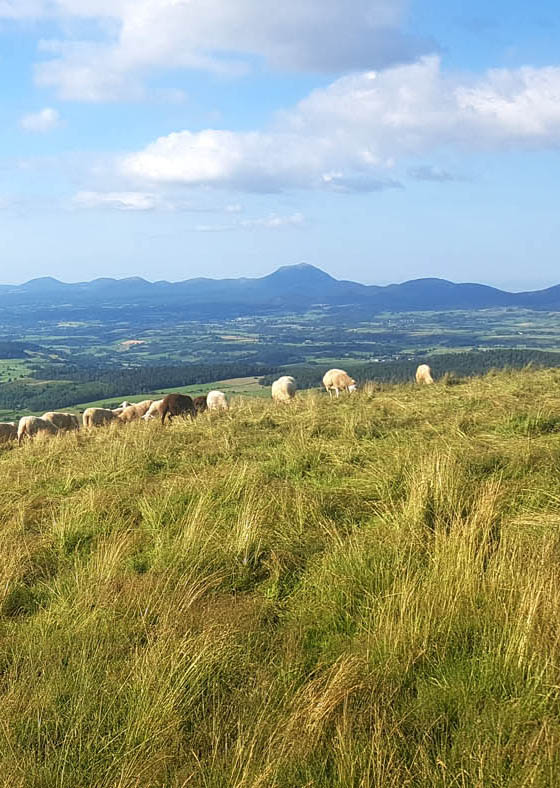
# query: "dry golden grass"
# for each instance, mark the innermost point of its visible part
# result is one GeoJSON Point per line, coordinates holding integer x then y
{"type": "Point", "coordinates": [362, 592]}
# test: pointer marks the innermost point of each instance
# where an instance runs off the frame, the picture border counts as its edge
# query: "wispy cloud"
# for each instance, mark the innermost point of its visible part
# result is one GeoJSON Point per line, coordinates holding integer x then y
{"type": "Point", "coordinates": [273, 221]}
{"type": "Point", "coordinates": [123, 201]}
{"type": "Point", "coordinates": [427, 172]}
{"type": "Point", "coordinates": [40, 122]}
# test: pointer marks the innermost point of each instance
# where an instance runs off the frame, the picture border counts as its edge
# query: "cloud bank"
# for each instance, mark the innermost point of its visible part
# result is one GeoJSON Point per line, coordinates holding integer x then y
{"type": "Point", "coordinates": [352, 135]}
{"type": "Point", "coordinates": [128, 37]}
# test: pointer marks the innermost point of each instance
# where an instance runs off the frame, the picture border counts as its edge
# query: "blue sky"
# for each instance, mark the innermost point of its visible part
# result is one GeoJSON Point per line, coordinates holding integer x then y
{"type": "Point", "coordinates": [378, 139]}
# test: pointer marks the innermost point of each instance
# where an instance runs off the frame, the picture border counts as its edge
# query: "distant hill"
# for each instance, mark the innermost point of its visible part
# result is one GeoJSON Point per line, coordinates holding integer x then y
{"type": "Point", "coordinates": [295, 287]}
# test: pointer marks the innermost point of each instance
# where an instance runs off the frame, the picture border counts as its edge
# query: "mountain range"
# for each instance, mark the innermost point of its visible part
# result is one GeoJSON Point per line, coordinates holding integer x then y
{"type": "Point", "coordinates": [294, 287]}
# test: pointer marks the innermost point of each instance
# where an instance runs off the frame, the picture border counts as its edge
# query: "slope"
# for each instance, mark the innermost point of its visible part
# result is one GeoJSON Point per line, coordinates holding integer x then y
{"type": "Point", "coordinates": [352, 593]}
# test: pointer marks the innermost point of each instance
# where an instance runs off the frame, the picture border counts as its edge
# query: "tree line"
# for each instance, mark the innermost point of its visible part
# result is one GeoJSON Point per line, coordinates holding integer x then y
{"type": "Point", "coordinates": [91, 384]}
{"type": "Point", "coordinates": [403, 370]}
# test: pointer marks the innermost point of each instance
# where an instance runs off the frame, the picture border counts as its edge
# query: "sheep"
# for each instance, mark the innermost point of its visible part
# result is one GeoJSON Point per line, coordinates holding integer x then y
{"type": "Point", "coordinates": [424, 374]}
{"type": "Point", "coordinates": [284, 389]}
{"type": "Point", "coordinates": [135, 411]}
{"type": "Point", "coordinates": [338, 380]}
{"type": "Point", "coordinates": [97, 417]}
{"type": "Point", "coordinates": [8, 431]}
{"type": "Point", "coordinates": [199, 404]}
{"type": "Point", "coordinates": [64, 421]}
{"type": "Point", "coordinates": [177, 405]}
{"type": "Point", "coordinates": [124, 405]}
{"type": "Point", "coordinates": [154, 411]}
{"type": "Point", "coordinates": [216, 400]}
{"type": "Point", "coordinates": [33, 425]}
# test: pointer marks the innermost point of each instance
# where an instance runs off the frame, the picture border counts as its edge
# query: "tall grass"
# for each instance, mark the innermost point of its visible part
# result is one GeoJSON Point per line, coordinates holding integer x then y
{"type": "Point", "coordinates": [362, 592]}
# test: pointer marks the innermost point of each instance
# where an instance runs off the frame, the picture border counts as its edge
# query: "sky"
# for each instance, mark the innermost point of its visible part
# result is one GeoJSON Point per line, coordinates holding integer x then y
{"type": "Point", "coordinates": [381, 140]}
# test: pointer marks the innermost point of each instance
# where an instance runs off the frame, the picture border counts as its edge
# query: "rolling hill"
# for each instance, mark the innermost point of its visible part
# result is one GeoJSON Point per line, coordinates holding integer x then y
{"type": "Point", "coordinates": [290, 288]}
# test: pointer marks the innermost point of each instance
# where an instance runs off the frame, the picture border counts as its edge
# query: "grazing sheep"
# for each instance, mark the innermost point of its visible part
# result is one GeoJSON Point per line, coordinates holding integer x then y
{"type": "Point", "coordinates": [284, 389]}
{"type": "Point", "coordinates": [338, 380]}
{"type": "Point", "coordinates": [424, 374]}
{"type": "Point", "coordinates": [8, 431]}
{"type": "Point", "coordinates": [154, 411]}
{"type": "Point", "coordinates": [199, 404]}
{"type": "Point", "coordinates": [177, 405]}
{"type": "Point", "coordinates": [216, 400]}
{"type": "Point", "coordinates": [64, 421]}
{"type": "Point", "coordinates": [136, 411]}
{"type": "Point", "coordinates": [33, 425]}
{"type": "Point", "coordinates": [97, 417]}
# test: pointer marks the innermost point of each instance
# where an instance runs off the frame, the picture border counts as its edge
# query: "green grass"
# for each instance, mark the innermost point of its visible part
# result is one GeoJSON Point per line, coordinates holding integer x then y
{"type": "Point", "coordinates": [232, 387]}
{"type": "Point", "coordinates": [362, 592]}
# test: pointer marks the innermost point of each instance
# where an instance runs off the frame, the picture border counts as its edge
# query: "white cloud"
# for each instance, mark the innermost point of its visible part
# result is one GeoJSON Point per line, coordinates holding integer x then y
{"type": "Point", "coordinates": [41, 122]}
{"type": "Point", "coordinates": [123, 201]}
{"type": "Point", "coordinates": [428, 172]}
{"type": "Point", "coordinates": [273, 221]}
{"type": "Point", "coordinates": [129, 37]}
{"type": "Point", "coordinates": [351, 135]}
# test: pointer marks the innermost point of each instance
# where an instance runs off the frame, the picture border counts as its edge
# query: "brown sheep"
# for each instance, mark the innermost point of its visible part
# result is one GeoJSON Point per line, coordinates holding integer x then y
{"type": "Point", "coordinates": [8, 431]}
{"type": "Point", "coordinates": [199, 404]}
{"type": "Point", "coordinates": [177, 405]}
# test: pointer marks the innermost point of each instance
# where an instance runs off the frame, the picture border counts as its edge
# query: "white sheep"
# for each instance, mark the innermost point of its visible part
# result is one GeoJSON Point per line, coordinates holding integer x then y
{"type": "Point", "coordinates": [33, 425]}
{"type": "Point", "coordinates": [216, 400]}
{"type": "Point", "coordinates": [154, 411]}
{"type": "Point", "coordinates": [64, 421]}
{"type": "Point", "coordinates": [8, 431]}
{"type": "Point", "coordinates": [284, 389]}
{"type": "Point", "coordinates": [136, 411]}
{"type": "Point", "coordinates": [97, 417]}
{"type": "Point", "coordinates": [424, 374]}
{"type": "Point", "coordinates": [338, 380]}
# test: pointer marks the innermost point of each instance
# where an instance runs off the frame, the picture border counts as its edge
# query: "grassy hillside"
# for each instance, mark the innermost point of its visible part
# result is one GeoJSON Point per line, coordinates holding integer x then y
{"type": "Point", "coordinates": [363, 592]}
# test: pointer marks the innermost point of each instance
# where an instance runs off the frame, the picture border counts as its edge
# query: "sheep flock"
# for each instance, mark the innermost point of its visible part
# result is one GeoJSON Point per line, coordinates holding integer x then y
{"type": "Point", "coordinates": [283, 390]}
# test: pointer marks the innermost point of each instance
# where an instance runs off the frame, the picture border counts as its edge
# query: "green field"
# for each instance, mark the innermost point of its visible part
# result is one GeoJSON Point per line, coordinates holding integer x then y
{"type": "Point", "coordinates": [362, 592]}
{"type": "Point", "coordinates": [246, 387]}
{"type": "Point", "coordinates": [13, 369]}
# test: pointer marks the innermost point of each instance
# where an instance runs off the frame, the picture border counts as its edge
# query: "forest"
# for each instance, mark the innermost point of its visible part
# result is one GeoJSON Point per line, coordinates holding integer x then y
{"type": "Point", "coordinates": [73, 385]}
